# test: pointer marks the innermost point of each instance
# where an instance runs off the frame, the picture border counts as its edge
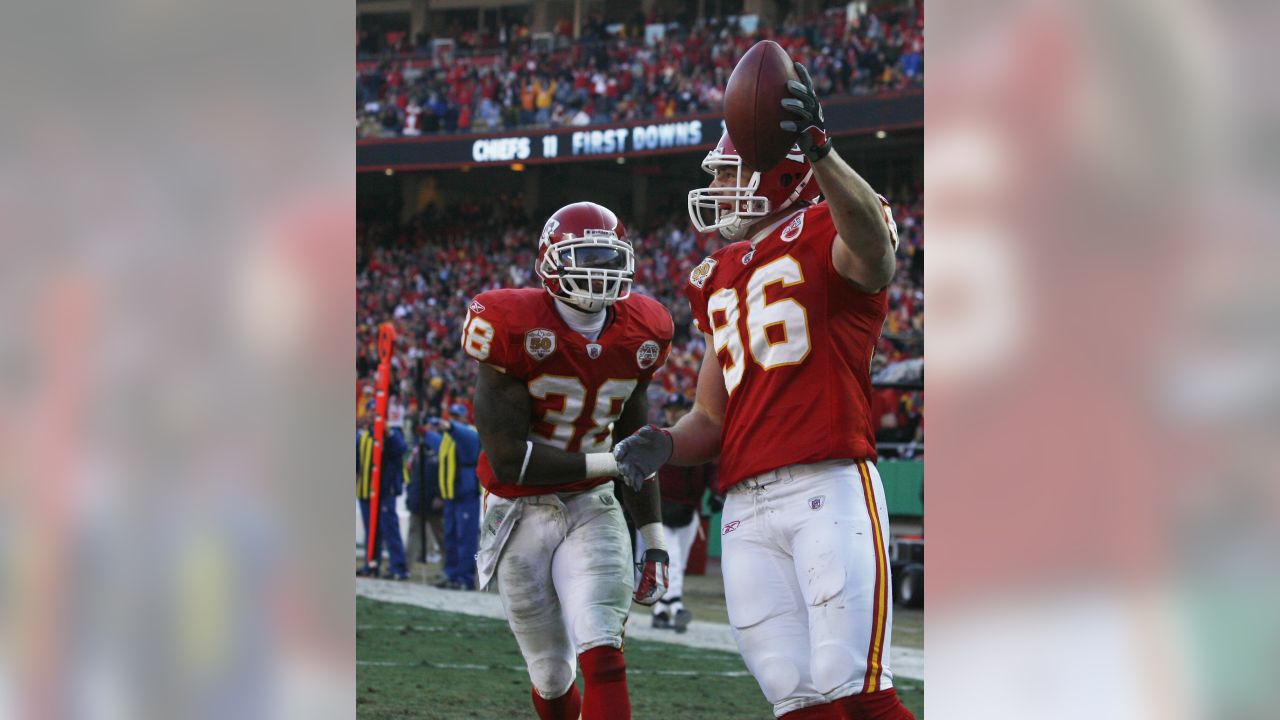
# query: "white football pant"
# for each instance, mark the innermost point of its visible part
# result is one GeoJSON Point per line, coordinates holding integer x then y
{"type": "Point", "coordinates": [806, 581]}
{"type": "Point", "coordinates": [566, 580]}
{"type": "Point", "coordinates": [679, 543]}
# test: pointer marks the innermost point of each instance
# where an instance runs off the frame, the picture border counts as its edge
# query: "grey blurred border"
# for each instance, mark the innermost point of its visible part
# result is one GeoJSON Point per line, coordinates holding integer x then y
{"type": "Point", "coordinates": [1104, 360]}
{"type": "Point", "coordinates": [176, 219]}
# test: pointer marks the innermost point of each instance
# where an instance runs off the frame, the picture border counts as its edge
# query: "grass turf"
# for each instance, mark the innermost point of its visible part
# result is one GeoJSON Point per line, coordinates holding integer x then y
{"type": "Point", "coordinates": [413, 663]}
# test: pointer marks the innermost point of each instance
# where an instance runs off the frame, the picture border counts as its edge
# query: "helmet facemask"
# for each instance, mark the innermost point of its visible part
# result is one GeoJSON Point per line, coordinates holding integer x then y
{"type": "Point", "coordinates": [589, 272]}
{"type": "Point", "coordinates": [730, 209]}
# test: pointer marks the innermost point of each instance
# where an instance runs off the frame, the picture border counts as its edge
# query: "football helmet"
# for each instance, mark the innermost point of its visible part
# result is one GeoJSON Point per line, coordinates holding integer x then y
{"type": "Point", "coordinates": [584, 257]}
{"type": "Point", "coordinates": [733, 209]}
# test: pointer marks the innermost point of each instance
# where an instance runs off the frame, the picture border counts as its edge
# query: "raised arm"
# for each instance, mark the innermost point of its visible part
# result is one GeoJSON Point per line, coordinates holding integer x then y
{"type": "Point", "coordinates": [863, 251]}
{"type": "Point", "coordinates": [503, 413]}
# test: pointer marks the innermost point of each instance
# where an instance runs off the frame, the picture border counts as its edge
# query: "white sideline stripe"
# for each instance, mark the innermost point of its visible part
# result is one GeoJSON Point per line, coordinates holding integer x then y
{"type": "Point", "coordinates": [907, 663]}
{"type": "Point", "coordinates": [521, 668]}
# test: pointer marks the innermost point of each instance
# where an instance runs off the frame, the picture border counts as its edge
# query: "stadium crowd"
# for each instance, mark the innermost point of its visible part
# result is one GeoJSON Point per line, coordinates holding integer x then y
{"type": "Point", "coordinates": [422, 274]}
{"type": "Point", "coordinates": [503, 79]}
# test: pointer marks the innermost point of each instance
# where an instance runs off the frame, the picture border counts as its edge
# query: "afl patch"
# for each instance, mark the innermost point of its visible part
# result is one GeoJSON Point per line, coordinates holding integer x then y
{"type": "Point", "coordinates": [793, 229]}
{"type": "Point", "coordinates": [647, 355]}
{"type": "Point", "coordinates": [699, 276]}
{"type": "Point", "coordinates": [476, 307]}
{"type": "Point", "coordinates": [539, 343]}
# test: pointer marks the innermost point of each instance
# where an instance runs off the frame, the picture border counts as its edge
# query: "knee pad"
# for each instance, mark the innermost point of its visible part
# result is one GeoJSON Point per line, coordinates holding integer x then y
{"type": "Point", "coordinates": [603, 664]}
{"type": "Point", "coordinates": [550, 676]}
{"type": "Point", "coordinates": [600, 624]}
{"type": "Point", "coordinates": [835, 664]}
{"type": "Point", "coordinates": [778, 677]}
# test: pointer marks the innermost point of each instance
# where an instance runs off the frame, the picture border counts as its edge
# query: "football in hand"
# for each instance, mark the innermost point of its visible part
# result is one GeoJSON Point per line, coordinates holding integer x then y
{"type": "Point", "coordinates": [753, 105]}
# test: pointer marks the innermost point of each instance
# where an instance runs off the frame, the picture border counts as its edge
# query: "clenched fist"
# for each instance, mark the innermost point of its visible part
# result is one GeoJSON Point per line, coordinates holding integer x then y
{"type": "Point", "coordinates": [810, 123]}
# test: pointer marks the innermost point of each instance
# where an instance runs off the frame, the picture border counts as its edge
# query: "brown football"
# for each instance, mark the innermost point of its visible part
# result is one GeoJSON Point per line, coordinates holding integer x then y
{"type": "Point", "coordinates": [752, 105]}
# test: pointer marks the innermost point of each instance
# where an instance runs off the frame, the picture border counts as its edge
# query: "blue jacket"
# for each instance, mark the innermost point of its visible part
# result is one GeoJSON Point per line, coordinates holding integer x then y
{"type": "Point", "coordinates": [393, 452]}
{"type": "Point", "coordinates": [424, 474]}
{"type": "Point", "coordinates": [459, 452]}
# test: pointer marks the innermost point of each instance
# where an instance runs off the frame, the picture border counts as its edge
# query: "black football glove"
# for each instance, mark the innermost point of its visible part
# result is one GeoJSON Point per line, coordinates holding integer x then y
{"type": "Point", "coordinates": [811, 124]}
{"type": "Point", "coordinates": [640, 455]}
{"type": "Point", "coordinates": [652, 584]}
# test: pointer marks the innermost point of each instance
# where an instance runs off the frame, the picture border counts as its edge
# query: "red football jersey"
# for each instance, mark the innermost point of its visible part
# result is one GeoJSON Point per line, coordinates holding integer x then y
{"type": "Point", "coordinates": [794, 340]}
{"type": "Point", "coordinates": [578, 386]}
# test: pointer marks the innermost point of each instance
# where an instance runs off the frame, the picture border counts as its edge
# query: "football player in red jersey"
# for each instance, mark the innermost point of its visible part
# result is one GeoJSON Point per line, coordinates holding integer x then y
{"type": "Point", "coordinates": [563, 371]}
{"type": "Point", "coordinates": [791, 312]}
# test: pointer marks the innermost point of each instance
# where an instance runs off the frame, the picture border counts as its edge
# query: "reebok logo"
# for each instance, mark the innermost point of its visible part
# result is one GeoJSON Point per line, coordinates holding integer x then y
{"type": "Point", "coordinates": [731, 526]}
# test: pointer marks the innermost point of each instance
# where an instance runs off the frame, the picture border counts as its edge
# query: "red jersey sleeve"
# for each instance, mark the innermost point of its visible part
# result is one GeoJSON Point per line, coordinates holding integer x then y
{"type": "Point", "coordinates": [487, 333]}
{"type": "Point", "coordinates": [821, 229]}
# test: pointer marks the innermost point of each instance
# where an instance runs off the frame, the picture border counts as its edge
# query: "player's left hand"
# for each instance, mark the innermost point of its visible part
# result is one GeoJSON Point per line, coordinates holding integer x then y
{"type": "Point", "coordinates": [811, 124]}
{"type": "Point", "coordinates": [652, 584]}
{"type": "Point", "coordinates": [640, 455]}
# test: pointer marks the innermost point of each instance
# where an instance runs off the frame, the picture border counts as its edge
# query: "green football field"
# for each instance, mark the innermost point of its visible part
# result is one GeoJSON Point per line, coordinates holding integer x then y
{"type": "Point", "coordinates": [413, 663]}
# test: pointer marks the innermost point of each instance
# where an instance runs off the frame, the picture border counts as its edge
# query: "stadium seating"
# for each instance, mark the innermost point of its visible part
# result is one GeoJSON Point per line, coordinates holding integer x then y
{"type": "Point", "coordinates": [493, 83]}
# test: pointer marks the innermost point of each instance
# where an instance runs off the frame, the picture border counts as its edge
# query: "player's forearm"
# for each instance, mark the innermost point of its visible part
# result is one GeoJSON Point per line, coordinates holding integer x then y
{"type": "Point", "coordinates": [645, 506]}
{"type": "Point", "coordinates": [531, 463]}
{"type": "Point", "coordinates": [859, 219]}
{"type": "Point", "coordinates": [695, 439]}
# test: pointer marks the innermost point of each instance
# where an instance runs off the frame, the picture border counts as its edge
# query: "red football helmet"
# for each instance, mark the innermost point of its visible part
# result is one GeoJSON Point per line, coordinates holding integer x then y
{"type": "Point", "coordinates": [584, 257]}
{"type": "Point", "coordinates": [732, 210]}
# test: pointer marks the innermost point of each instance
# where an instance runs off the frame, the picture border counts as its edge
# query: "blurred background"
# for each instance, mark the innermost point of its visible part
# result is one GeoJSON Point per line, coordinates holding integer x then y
{"type": "Point", "coordinates": [1103, 360]}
